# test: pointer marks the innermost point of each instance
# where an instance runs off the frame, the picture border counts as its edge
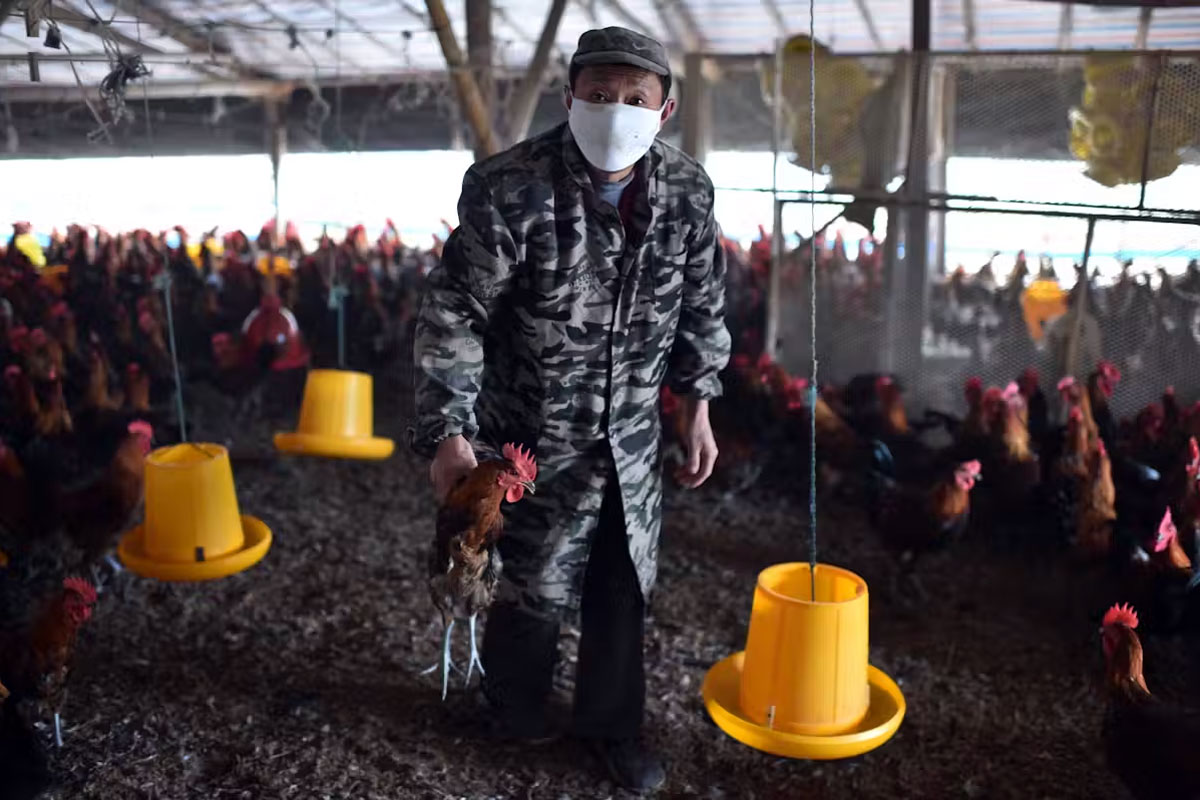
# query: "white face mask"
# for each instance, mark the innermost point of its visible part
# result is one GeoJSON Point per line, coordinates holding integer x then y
{"type": "Point", "coordinates": [613, 136]}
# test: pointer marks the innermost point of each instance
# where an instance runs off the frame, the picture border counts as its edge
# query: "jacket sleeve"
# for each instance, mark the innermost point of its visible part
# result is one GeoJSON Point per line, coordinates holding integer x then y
{"type": "Point", "coordinates": [460, 297]}
{"type": "Point", "coordinates": [702, 341]}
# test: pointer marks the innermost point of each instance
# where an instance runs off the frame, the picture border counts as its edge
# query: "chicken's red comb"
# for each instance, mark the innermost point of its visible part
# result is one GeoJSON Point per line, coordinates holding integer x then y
{"type": "Point", "coordinates": [59, 309]}
{"type": "Point", "coordinates": [973, 467]}
{"type": "Point", "coordinates": [1066, 383]}
{"type": "Point", "coordinates": [521, 459]}
{"type": "Point", "coordinates": [12, 372]}
{"type": "Point", "coordinates": [134, 368]}
{"type": "Point", "coordinates": [1101, 448]}
{"type": "Point", "coordinates": [974, 384]}
{"type": "Point", "coordinates": [221, 339]}
{"type": "Point", "coordinates": [1031, 373]}
{"type": "Point", "coordinates": [37, 337]}
{"type": "Point", "coordinates": [1170, 390]}
{"type": "Point", "coordinates": [81, 587]}
{"type": "Point", "coordinates": [1110, 370]}
{"type": "Point", "coordinates": [1076, 414]}
{"type": "Point", "coordinates": [1166, 531]}
{"type": "Point", "coordinates": [883, 381]}
{"type": "Point", "coordinates": [140, 427]}
{"type": "Point", "coordinates": [1121, 615]}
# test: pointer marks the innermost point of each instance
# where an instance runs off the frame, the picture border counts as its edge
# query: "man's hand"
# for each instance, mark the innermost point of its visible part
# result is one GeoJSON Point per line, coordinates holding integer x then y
{"type": "Point", "coordinates": [699, 443]}
{"type": "Point", "coordinates": [455, 458]}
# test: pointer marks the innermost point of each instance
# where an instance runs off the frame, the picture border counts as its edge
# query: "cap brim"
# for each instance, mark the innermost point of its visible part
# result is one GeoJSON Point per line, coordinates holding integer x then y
{"type": "Point", "coordinates": [620, 57]}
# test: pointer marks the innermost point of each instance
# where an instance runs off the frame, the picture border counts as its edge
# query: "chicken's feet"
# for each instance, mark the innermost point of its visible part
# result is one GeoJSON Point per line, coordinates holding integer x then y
{"type": "Point", "coordinates": [446, 664]}
{"type": "Point", "coordinates": [475, 661]}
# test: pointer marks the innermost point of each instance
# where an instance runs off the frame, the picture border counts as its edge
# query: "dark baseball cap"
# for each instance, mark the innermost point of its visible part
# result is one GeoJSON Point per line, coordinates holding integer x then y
{"type": "Point", "coordinates": [621, 46]}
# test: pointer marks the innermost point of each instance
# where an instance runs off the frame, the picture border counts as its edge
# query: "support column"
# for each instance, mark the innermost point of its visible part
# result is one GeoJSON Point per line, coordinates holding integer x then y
{"type": "Point", "coordinates": [479, 56]}
{"type": "Point", "coordinates": [276, 148]}
{"type": "Point", "coordinates": [913, 270]}
{"type": "Point", "coordinates": [941, 137]}
{"type": "Point", "coordinates": [697, 108]}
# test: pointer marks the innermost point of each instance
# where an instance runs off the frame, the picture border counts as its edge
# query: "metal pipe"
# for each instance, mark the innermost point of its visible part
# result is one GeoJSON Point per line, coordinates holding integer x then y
{"type": "Point", "coordinates": [771, 327]}
{"type": "Point", "coordinates": [1159, 66]}
{"type": "Point", "coordinates": [1132, 215]}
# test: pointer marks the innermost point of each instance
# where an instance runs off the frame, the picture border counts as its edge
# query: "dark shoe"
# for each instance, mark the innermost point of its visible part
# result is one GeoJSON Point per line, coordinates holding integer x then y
{"type": "Point", "coordinates": [631, 764]}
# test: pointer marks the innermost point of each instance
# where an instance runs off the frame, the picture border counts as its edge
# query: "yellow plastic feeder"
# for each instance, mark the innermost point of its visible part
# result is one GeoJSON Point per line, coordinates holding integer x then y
{"type": "Point", "coordinates": [193, 530]}
{"type": "Point", "coordinates": [802, 688]}
{"type": "Point", "coordinates": [336, 418]}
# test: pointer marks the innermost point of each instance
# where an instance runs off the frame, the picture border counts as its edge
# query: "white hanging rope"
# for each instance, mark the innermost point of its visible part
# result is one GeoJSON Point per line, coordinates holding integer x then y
{"type": "Point", "coordinates": [812, 284]}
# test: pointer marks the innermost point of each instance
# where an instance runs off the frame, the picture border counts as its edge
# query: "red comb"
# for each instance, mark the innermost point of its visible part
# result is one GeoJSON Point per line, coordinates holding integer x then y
{"type": "Point", "coordinates": [524, 462]}
{"type": "Point", "coordinates": [12, 372]}
{"type": "Point", "coordinates": [140, 427]}
{"type": "Point", "coordinates": [1066, 383]}
{"type": "Point", "coordinates": [38, 337]}
{"type": "Point", "coordinates": [59, 309]}
{"type": "Point", "coordinates": [974, 467]}
{"type": "Point", "coordinates": [1076, 414]}
{"type": "Point", "coordinates": [133, 369]}
{"type": "Point", "coordinates": [1193, 450]}
{"type": "Point", "coordinates": [1101, 448]}
{"type": "Point", "coordinates": [974, 383]}
{"type": "Point", "coordinates": [1121, 615]}
{"type": "Point", "coordinates": [1169, 390]}
{"type": "Point", "coordinates": [82, 588]}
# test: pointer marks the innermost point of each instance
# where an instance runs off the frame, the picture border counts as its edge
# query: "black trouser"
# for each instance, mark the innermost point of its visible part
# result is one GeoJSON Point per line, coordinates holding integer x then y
{"type": "Point", "coordinates": [520, 650]}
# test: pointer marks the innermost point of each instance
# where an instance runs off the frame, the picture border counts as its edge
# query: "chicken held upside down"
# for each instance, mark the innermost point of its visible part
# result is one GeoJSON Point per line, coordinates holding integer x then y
{"type": "Point", "coordinates": [464, 566]}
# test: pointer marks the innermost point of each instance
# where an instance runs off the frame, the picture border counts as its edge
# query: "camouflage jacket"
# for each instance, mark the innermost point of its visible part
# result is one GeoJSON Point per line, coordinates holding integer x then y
{"type": "Point", "coordinates": [549, 324]}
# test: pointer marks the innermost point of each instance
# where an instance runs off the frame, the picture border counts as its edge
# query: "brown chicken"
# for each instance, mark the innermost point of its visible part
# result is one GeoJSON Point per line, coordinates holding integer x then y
{"type": "Point", "coordinates": [464, 566]}
{"type": "Point", "coordinates": [137, 389]}
{"type": "Point", "coordinates": [53, 417]}
{"type": "Point", "coordinates": [915, 519]}
{"type": "Point", "coordinates": [95, 514]}
{"type": "Point", "coordinates": [97, 394]}
{"type": "Point", "coordinates": [1097, 506]}
{"type": "Point", "coordinates": [1149, 744]}
{"type": "Point", "coordinates": [893, 418]}
{"type": "Point", "coordinates": [1013, 469]}
{"type": "Point", "coordinates": [35, 663]}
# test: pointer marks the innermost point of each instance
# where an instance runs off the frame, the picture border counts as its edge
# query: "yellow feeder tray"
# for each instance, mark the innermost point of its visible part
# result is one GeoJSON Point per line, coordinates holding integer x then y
{"type": "Point", "coordinates": [802, 688]}
{"type": "Point", "coordinates": [336, 418]}
{"type": "Point", "coordinates": [193, 529]}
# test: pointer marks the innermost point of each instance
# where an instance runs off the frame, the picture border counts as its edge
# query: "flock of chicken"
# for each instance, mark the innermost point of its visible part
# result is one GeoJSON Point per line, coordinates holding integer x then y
{"type": "Point", "coordinates": [86, 352]}
{"type": "Point", "coordinates": [1121, 497]}
{"type": "Point", "coordinates": [88, 370]}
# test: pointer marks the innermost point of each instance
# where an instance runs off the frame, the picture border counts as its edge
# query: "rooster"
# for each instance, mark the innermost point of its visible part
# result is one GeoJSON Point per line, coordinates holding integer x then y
{"type": "Point", "coordinates": [94, 514]}
{"type": "Point", "coordinates": [35, 662]}
{"type": "Point", "coordinates": [1148, 743]}
{"type": "Point", "coordinates": [917, 518]}
{"type": "Point", "coordinates": [464, 566]}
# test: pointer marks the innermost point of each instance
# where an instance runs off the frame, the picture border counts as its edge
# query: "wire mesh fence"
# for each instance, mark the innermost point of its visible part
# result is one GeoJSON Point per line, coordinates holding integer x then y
{"type": "Point", "coordinates": [1077, 158]}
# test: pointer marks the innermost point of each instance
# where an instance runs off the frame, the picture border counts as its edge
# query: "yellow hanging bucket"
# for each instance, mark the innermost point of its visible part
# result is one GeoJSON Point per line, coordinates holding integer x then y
{"type": "Point", "coordinates": [803, 688]}
{"type": "Point", "coordinates": [193, 529]}
{"type": "Point", "coordinates": [336, 418]}
{"type": "Point", "coordinates": [1043, 301]}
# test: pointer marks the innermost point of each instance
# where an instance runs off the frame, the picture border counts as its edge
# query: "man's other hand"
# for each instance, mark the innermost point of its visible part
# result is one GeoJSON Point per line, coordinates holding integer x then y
{"type": "Point", "coordinates": [455, 458]}
{"type": "Point", "coordinates": [699, 443]}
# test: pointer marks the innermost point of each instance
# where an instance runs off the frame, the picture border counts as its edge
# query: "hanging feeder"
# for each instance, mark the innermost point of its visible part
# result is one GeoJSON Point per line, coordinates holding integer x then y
{"type": "Point", "coordinates": [193, 529]}
{"type": "Point", "coordinates": [802, 688]}
{"type": "Point", "coordinates": [336, 418]}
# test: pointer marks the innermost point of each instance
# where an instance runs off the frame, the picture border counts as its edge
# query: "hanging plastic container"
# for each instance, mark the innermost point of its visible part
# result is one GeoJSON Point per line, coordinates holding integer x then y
{"type": "Point", "coordinates": [336, 418]}
{"type": "Point", "coordinates": [193, 529]}
{"type": "Point", "coordinates": [803, 688]}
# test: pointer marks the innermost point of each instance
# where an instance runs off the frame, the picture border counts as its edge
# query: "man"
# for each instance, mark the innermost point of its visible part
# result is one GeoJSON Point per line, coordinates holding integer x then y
{"type": "Point", "coordinates": [585, 271]}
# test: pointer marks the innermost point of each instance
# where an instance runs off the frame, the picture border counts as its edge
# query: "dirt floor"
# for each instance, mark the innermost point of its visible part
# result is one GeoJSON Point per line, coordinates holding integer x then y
{"type": "Point", "coordinates": [299, 678]}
